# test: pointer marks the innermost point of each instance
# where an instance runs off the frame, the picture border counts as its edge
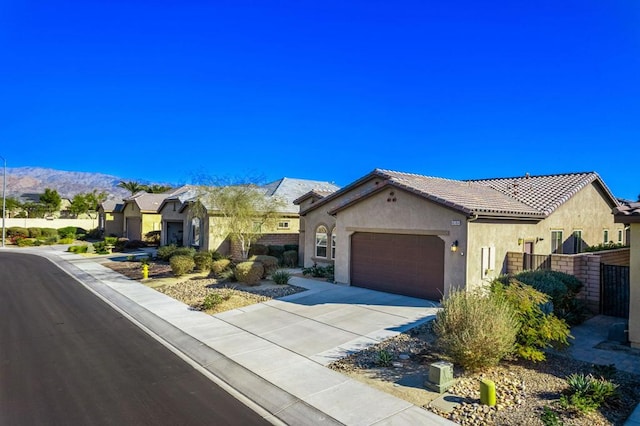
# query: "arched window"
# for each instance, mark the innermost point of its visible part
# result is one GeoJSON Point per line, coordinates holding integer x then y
{"type": "Point", "coordinates": [333, 243]}
{"type": "Point", "coordinates": [321, 241]}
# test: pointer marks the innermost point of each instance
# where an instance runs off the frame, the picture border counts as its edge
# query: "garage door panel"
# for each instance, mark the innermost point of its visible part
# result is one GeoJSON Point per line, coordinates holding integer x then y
{"type": "Point", "coordinates": [405, 264]}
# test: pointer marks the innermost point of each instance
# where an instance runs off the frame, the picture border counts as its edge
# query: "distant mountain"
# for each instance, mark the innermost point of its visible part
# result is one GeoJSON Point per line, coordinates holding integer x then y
{"type": "Point", "coordinates": [34, 180]}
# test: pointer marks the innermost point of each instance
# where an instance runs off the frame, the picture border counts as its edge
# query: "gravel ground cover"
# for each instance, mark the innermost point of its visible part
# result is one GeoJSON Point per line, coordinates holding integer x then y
{"type": "Point", "coordinates": [193, 290]}
{"type": "Point", "coordinates": [523, 388]}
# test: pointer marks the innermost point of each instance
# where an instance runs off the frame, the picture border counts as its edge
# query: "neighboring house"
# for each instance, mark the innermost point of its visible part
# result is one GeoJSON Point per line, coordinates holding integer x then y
{"type": "Point", "coordinates": [111, 218]}
{"type": "Point", "coordinates": [422, 236]}
{"type": "Point", "coordinates": [206, 231]}
{"type": "Point", "coordinates": [629, 214]}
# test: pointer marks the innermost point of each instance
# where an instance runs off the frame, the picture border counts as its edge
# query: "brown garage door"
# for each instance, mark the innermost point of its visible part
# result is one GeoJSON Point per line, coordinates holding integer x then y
{"type": "Point", "coordinates": [412, 265]}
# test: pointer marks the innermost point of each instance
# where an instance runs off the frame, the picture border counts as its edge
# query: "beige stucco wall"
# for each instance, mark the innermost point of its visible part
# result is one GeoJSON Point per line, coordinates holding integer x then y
{"type": "Point", "coordinates": [151, 222]}
{"type": "Point", "coordinates": [586, 211]}
{"type": "Point", "coordinates": [55, 223]}
{"type": "Point", "coordinates": [634, 290]}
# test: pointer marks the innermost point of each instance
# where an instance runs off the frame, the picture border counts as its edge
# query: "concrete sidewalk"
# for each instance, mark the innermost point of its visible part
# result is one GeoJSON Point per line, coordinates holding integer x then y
{"type": "Point", "coordinates": [275, 353]}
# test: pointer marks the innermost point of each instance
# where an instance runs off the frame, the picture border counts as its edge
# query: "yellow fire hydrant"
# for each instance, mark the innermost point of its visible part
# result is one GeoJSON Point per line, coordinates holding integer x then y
{"type": "Point", "coordinates": [145, 272]}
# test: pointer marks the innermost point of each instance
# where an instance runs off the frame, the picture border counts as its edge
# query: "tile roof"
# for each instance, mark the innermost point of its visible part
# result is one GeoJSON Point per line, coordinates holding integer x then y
{"type": "Point", "coordinates": [629, 211]}
{"type": "Point", "coordinates": [459, 195]}
{"type": "Point", "coordinates": [545, 193]}
{"type": "Point", "coordinates": [527, 196]}
{"type": "Point", "coordinates": [112, 206]}
{"type": "Point", "coordinates": [290, 189]}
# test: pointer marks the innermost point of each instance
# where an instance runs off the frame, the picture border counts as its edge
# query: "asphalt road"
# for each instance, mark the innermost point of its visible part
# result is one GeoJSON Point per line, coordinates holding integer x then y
{"type": "Point", "coordinates": [67, 358]}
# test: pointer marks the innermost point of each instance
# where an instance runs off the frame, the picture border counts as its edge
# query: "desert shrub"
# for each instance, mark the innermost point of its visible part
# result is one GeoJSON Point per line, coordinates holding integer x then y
{"type": "Point", "coordinates": [110, 241]}
{"type": "Point", "coordinates": [165, 252]}
{"type": "Point", "coordinates": [212, 300]}
{"type": "Point", "coordinates": [215, 255]}
{"type": "Point", "coordinates": [152, 238]}
{"type": "Point", "coordinates": [538, 329]}
{"type": "Point", "coordinates": [562, 290]}
{"type": "Point", "coordinates": [290, 258]}
{"type": "Point", "coordinates": [50, 241]}
{"type": "Point", "coordinates": [203, 260]}
{"type": "Point", "coordinates": [586, 393]}
{"type": "Point", "coordinates": [100, 247]}
{"type": "Point", "coordinates": [280, 277]}
{"type": "Point", "coordinates": [35, 232]}
{"type": "Point", "coordinates": [276, 251]}
{"type": "Point", "coordinates": [384, 358]}
{"type": "Point", "coordinates": [289, 247]}
{"type": "Point", "coordinates": [66, 240]}
{"type": "Point", "coordinates": [25, 242]}
{"type": "Point", "coordinates": [249, 272]}
{"type": "Point", "coordinates": [94, 234]}
{"type": "Point", "coordinates": [49, 232]}
{"type": "Point", "coordinates": [269, 263]}
{"type": "Point", "coordinates": [83, 248]}
{"type": "Point", "coordinates": [258, 249]}
{"type": "Point", "coordinates": [220, 265]}
{"type": "Point", "coordinates": [550, 417]}
{"type": "Point", "coordinates": [476, 330]}
{"type": "Point", "coordinates": [604, 246]}
{"type": "Point", "coordinates": [17, 231]}
{"type": "Point", "coordinates": [67, 232]}
{"type": "Point", "coordinates": [184, 251]}
{"type": "Point", "coordinates": [133, 244]}
{"type": "Point", "coordinates": [181, 264]}
{"type": "Point", "coordinates": [319, 271]}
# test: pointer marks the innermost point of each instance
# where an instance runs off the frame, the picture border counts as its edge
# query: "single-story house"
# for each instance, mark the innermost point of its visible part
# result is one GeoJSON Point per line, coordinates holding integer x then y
{"type": "Point", "coordinates": [629, 214]}
{"type": "Point", "coordinates": [205, 232]}
{"type": "Point", "coordinates": [422, 236]}
{"type": "Point", "coordinates": [110, 218]}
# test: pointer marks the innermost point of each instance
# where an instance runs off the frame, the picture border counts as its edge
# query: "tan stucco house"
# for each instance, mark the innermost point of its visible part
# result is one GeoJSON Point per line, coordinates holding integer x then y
{"type": "Point", "coordinates": [629, 214]}
{"type": "Point", "coordinates": [181, 224]}
{"type": "Point", "coordinates": [111, 218]}
{"type": "Point", "coordinates": [421, 236]}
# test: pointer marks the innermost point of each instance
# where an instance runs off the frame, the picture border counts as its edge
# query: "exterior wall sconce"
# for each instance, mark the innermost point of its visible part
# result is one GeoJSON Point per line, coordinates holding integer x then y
{"type": "Point", "coordinates": [520, 241]}
{"type": "Point", "coordinates": [454, 246]}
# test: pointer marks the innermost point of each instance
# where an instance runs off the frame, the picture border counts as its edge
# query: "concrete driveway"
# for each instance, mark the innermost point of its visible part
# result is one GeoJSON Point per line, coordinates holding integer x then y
{"type": "Point", "coordinates": [330, 321]}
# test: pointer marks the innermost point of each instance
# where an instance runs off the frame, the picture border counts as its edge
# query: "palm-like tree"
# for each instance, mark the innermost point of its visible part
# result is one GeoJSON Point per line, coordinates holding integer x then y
{"type": "Point", "coordinates": [131, 186]}
{"type": "Point", "coordinates": [157, 189]}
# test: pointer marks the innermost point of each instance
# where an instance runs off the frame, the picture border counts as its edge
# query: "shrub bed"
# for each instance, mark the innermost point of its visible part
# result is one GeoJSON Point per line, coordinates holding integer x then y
{"type": "Point", "coordinates": [250, 272]}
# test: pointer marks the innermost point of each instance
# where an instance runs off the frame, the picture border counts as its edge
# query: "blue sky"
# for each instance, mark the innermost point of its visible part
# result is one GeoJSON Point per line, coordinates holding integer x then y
{"type": "Point", "coordinates": [329, 90]}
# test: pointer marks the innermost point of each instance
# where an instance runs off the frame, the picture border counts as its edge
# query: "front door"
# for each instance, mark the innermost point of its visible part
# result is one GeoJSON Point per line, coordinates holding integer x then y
{"type": "Point", "coordinates": [528, 252]}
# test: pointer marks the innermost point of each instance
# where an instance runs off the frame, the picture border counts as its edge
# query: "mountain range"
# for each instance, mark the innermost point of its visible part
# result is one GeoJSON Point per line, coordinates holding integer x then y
{"type": "Point", "coordinates": [34, 180]}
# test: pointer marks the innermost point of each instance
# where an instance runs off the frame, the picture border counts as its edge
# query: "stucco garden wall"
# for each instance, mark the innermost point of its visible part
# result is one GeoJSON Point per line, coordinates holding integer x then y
{"type": "Point", "coordinates": [56, 223]}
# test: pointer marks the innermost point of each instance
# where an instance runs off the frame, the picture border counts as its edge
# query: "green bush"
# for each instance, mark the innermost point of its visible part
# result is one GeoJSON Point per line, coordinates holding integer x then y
{"type": "Point", "coordinates": [384, 358]}
{"type": "Point", "coordinates": [604, 246]}
{"type": "Point", "coordinates": [152, 238]}
{"type": "Point", "coordinates": [68, 232]}
{"type": "Point", "coordinates": [100, 247]}
{"type": "Point", "coordinates": [78, 249]}
{"type": "Point", "coordinates": [290, 247]}
{"type": "Point", "coordinates": [250, 272]}
{"type": "Point", "coordinates": [561, 288]}
{"type": "Point", "coordinates": [50, 241]}
{"type": "Point", "coordinates": [258, 249]}
{"type": "Point", "coordinates": [49, 232]}
{"type": "Point", "coordinates": [111, 241]}
{"type": "Point", "coordinates": [184, 251]}
{"type": "Point", "coordinates": [203, 260]}
{"type": "Point", "coordinates": [165, 252]}
{"type": "Point", "coordinates": [476, 330]}
{"type": "Point", "coordinates": [66, 240]}
{"type": "Point", "coordinates": [26, 242]}
{"type": "Point", "coordinates": [280, 277]}
{"type": "Point", "coordinates": [586, 393]}
{"type": "Point", "coordinates": [94, 234]}
{"type": "Point", "coordinates": [17, 231]}
{"type": "Point", "coordinates": [35, 232]}
{"type": "Point", "coordinates": [319, 271]}
{"type": "Point", "coordinates": [269, 263]}
{"type": "Point", "coordinates": [538, 329]}
{"type": "Point", "coordinates": [276, 251]}
{"type": "Point", "coordinates": [220, 265]}
{"type": "Point", "coordinates": [290, 258]}
{"type": "Point", "coordinates": [181, 264]}
{"type": "Point", "coordinates": [211, 300]}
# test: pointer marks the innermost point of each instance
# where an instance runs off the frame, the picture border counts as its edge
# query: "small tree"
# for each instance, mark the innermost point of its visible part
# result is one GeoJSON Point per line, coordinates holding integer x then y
{"type": "Point", "coordinates": [51, 200]}
{"type": "Point", "coordinates": [85, 203]}
{"type": "Point", "coordinates": [245, 209]}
